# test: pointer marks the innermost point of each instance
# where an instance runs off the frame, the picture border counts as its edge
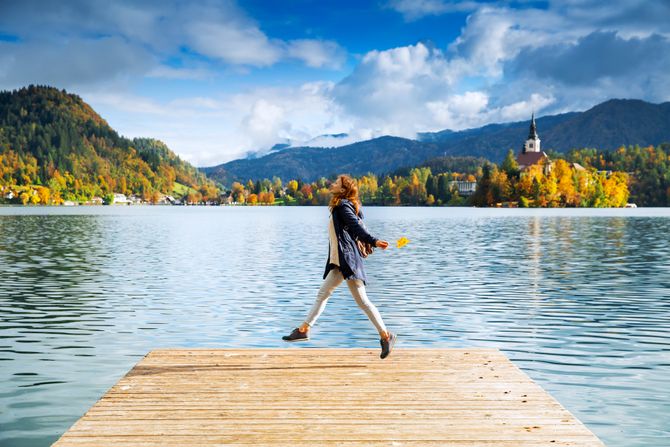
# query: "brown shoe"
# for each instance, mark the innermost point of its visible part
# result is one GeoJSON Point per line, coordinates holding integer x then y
{"type": "Point", "coordinates": [296, 335]}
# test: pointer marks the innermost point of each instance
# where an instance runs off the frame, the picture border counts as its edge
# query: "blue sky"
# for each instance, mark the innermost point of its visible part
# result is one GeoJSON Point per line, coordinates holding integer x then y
{"type": "Point", "coordinates": [217, 80]}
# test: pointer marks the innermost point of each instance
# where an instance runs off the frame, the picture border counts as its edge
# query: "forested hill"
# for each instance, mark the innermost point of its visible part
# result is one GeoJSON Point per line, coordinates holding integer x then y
{"type": "Point", "coordinates": [57, 144]}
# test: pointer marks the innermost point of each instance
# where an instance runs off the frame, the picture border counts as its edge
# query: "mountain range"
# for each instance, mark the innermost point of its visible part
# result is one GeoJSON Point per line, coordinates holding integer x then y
{"type": "Point", "coordinates": [609, 125]}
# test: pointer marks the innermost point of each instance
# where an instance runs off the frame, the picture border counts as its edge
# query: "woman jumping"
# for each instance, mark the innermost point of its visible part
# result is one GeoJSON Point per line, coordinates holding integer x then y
{"type": "Point", "coordinates": [345, 262]}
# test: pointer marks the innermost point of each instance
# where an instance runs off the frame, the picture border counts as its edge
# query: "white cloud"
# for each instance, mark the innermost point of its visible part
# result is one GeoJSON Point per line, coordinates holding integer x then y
{"type": "Point", "coordinates": [317, 53]}
{"type": "Point", "coordinates": [265, 121]}
{"type": "Point", "coordinates": [519, 110]}
{"type": "Point", "coordinates": [456, 111]}
{"type": "Point", "coordinates": [387, 87]}
{"type": "Point", "coordinates": [270, 116]}
{"type": "Point", "coordinates": [416, 9]}
{"type": "Point", "coordinates": [412, 89]}
{"type": "Point", "coordinates": [487, 39]}
{"type": "Point", "coordinates": [234, 42]}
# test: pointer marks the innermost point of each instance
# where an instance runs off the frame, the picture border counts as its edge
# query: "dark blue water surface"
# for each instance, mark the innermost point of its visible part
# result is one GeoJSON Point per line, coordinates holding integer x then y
{"type": "Point", "coordinates": [579, 299]}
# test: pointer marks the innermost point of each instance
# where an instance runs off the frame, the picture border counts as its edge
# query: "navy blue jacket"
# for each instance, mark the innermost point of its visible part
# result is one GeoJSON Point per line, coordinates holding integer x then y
{"type": "Point", "coordinates": [348, 229]}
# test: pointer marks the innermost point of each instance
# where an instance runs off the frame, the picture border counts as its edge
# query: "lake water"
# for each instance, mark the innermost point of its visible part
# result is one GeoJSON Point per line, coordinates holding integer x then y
{"type": "Point", "coordinates": [579, 299]}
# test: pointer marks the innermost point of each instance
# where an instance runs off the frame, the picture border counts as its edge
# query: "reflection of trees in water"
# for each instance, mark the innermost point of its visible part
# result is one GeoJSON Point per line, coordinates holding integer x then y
{"type": "Point", "coordinates": [49, 258]}
{"type": "Point", "coordinates": [577, 254]}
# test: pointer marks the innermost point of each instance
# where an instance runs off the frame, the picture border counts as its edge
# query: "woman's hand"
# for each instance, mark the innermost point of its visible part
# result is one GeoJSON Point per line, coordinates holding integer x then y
{"type": "Point", "coordinates": [382, 244]}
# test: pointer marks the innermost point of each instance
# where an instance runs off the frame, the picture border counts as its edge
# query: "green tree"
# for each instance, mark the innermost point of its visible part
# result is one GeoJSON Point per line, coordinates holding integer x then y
{"type": "Point", "coordinates": [509, 165]}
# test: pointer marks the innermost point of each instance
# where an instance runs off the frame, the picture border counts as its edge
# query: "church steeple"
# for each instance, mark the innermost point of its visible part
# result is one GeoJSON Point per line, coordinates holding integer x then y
{"type": "Point", "coordinates": [532, 134]}
{"type": "Point", "coordinates": [532, 144]}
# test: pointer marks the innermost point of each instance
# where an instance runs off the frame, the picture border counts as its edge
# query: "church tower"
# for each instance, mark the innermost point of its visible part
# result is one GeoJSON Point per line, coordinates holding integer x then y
{"type": "Point", "coordinates": [530, 153]}
{"type": "Point", "coordinates": [532, 144]}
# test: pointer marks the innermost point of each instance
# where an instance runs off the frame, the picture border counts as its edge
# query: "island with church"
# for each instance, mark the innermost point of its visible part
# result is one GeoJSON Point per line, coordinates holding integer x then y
{"type": "Point", "coordinates": [531, 153]}
{"type": "Point", "coordinates": [533, 179]}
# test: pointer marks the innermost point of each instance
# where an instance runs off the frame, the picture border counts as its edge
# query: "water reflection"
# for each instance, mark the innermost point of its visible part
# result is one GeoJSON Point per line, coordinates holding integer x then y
{"type": "Point", "coordinates": [578, 298]}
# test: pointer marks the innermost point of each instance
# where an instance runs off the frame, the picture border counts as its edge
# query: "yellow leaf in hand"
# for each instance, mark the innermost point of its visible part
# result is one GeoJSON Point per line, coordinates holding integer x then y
{"type": "Point", "coordinates": [402, 242]}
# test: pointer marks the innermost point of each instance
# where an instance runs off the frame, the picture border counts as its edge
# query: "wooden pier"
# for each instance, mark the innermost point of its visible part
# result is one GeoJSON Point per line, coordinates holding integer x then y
{"type": "Point", "coordinates": [327, 397]}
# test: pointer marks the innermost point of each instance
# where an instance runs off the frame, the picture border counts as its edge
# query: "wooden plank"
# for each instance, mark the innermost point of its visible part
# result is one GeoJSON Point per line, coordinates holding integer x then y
{"type": "Point", "coordinates": [330, 397]}
{"type": "Point", "coordinates": [206, 441]}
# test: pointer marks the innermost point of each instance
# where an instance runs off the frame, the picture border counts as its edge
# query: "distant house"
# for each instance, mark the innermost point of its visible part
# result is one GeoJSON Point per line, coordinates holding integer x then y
{"type": "Point", "coordinates": [164, 199]}
{"type": "Point", "coordinates": [463, 188]}
{"type": "Point", "coordinates": [120, 199]}
{"type": "Point", "coordinates": [96, 201]}
{"type": "Point", "coordinates": [135, 200]}
{"type": "Point", "coordinates": [531, 154]}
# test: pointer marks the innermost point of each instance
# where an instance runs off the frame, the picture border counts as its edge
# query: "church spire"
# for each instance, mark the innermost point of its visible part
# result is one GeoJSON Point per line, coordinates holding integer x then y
{"type": "Point", "coordinates": [532, 144]}
{"type": "Point", "coordinates": [532, 134]}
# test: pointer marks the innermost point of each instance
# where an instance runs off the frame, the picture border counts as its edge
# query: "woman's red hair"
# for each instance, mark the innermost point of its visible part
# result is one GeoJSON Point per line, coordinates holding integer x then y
{"type": "Point", "coordinates": [346, 189]}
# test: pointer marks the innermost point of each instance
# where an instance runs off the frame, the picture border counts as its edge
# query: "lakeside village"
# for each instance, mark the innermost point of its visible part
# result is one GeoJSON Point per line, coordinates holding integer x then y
{"type": "Point", "coordinates": [491, 187]}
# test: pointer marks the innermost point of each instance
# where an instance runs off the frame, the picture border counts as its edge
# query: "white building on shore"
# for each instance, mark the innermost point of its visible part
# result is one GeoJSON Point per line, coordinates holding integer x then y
{"type": "Point", "coordinates": [120, 199]}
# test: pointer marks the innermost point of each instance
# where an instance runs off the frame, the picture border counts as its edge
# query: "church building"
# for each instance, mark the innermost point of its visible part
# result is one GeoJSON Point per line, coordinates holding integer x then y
{"type": "Point", "coordinates": [531, 154]}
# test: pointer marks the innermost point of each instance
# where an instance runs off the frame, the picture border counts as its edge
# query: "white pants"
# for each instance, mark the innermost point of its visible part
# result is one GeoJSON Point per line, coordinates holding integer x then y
{"type": "Point", "coordinates": [357, 289]}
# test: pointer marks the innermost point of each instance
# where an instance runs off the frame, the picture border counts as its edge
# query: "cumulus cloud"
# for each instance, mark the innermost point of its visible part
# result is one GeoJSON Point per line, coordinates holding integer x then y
{"type": "Point", "coordinates": [420, 87]}
{"type": "Point", "coordinates": [413, 89]}
{"type": "Point", "coordinates": [296, 115]}
{"type": "Point", "coordinates": [265, 121]}
{"type": "Point", "coordinates": [386, 87]}
{"type": "Point", "coordinates": [454, 111]}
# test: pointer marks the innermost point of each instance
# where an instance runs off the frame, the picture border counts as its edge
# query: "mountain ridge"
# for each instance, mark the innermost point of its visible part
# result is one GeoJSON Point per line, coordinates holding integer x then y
{"type": "Point", "coordinates": [608, 125]}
